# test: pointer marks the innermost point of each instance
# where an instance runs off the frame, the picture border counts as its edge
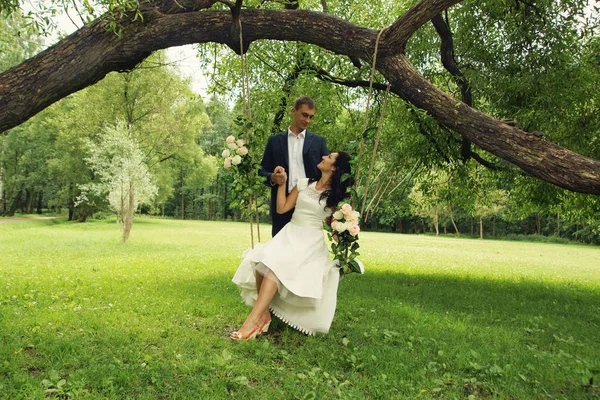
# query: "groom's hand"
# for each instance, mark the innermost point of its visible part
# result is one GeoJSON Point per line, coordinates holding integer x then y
{"type": "Point", "coordinates": [279, 176]}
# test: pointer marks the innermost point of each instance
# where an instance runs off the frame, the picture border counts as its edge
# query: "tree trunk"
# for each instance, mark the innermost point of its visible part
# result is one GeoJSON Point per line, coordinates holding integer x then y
{"type": "Point", "coordinates": [2, 195]}
{"type": "Point", "coordinates": [86, 56]}
{"type": "Point", "coordinates": [15, 204]}
{"type": "Point", "coordinates": [28, 201]}
{"type": "Point", "coordinates": [436, 222]}
{"type": "Point", "coordinates": [182, 196]}
{"type": "Point", "coordinates": [494, 226]}
{"type": "Point", "coordinates": [39, 202]}
{"type": "Point", "coordinates": [454, 223]}
{"type": "Point", "coordinates": [480, 227]}
{"type": "Point", "coordinates": [538, 220]}
{"type": "Point", "coordinates": [558, 224]}
{"type": "Point", "coordinates": [128, 212]}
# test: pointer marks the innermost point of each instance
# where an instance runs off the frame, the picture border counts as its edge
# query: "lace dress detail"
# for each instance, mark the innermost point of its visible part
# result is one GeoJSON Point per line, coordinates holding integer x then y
{"type": "Point", "coordinates": [314, 194]}
{"type": "Point", "coordinates": [298, 259]}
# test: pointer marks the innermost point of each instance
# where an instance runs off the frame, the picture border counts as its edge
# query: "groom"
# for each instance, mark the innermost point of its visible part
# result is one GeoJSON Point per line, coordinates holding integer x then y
{"type": "Point", "coordinates": [297, 151]}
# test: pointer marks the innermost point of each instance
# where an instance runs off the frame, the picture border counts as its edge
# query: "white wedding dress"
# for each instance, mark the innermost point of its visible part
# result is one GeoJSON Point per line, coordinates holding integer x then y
{"type": "Point", "coordinates": [298, 258]}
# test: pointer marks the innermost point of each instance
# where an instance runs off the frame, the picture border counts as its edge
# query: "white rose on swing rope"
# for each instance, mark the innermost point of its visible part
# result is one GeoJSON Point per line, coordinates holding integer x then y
{"type": "Point", "coordinates": [226, 153]}
{"type": "Point", "coordinates": [242, 151]}
{"type": "Point", "coordinates": [236, 160]}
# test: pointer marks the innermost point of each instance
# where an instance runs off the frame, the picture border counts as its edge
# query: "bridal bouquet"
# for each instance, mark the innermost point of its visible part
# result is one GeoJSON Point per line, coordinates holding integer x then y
{"type": "Point", "coordinates": [344, 226]}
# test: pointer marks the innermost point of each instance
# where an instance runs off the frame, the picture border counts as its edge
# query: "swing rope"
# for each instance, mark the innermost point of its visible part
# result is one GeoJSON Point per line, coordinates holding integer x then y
{"type": "Point", "coordinates": [379, 128]}
{"type": "Point", "coordinates": [362, 139]}
{"type": "Point", "coordinates": [247, 110]}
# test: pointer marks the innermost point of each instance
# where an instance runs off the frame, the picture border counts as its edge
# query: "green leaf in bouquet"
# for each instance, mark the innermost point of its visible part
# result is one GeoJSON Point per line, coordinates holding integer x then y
{"type": "Point", "coordinates": [355, 246]}
{"type": "Point", "coordinates": [353, 265]}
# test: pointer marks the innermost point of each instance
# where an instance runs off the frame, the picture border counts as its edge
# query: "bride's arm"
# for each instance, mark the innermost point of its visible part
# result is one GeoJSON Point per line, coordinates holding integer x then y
{"type": "Point", "coordinates": [286, 203]}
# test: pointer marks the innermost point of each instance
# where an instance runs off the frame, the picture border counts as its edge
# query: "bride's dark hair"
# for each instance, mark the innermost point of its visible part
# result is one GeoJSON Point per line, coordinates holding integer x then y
{"type": "Point", "coordinates": [340, 182]}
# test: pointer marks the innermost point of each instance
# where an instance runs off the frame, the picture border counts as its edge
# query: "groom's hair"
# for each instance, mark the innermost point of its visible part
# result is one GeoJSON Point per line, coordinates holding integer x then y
{"type": "Point", "coordinates": [305, 100]}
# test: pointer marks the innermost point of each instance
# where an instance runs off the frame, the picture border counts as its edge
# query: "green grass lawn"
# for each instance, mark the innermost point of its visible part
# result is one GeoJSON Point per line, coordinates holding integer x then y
{"type": "Point", "coordinates": [84, 316]}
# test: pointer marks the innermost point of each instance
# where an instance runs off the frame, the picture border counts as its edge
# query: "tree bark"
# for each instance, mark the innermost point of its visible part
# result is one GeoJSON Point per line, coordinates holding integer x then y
{"type": "Point", "coordinates": [28, 199]}
{"type": "Point", "coordinates": [128, 211]}
{"type": "Point", "coordinates": [480, 227]}
{"type": "Point", "coordinates": [15, 204]}
{"type": "Point", "coordinates": [449, 62]}
{"type": "Point", "coordinates": [454, 223]}
{"type": "Point", "coordinates": [87, 55]}
{"type": "Point", "coordinates": [39, 202]}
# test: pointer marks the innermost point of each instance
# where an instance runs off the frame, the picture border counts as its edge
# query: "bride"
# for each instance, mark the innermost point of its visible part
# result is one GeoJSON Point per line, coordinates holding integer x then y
{"type": "Point", "coordinates": [291, 275]}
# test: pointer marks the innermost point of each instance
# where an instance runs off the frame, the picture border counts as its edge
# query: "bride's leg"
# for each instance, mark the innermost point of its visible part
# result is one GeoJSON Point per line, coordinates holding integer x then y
{"type": "Point", "coordinates": [259, 279]}
{"type": "Point", "coordinates": [259, 313]}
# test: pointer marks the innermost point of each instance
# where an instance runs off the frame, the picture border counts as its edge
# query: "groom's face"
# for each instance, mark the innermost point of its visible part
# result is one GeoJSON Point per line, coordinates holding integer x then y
{"type": "Point", "coordinates": [302, 117]}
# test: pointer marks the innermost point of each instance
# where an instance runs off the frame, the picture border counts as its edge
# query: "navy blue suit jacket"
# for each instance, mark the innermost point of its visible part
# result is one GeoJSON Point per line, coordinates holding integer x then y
{"type": "Point", "coordinates": [276, 154]}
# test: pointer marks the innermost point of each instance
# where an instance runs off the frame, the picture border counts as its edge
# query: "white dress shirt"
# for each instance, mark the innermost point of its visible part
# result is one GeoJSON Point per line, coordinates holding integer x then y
{"type": "Point", "coordinates": [295, 159]}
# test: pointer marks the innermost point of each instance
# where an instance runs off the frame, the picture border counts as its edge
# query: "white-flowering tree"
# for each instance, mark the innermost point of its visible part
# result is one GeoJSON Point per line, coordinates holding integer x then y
{"type": "Point", "coordinates": [122, 175]}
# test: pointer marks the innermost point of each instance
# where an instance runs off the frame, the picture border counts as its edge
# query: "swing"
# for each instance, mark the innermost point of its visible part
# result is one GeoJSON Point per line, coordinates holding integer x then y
{"type": "Point", "coordinates": [375, 145]}
{"type": "Point", "coordinates": [246, 107]}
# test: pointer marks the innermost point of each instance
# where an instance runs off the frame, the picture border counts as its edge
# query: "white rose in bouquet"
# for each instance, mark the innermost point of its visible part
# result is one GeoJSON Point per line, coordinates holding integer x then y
{"type": "Point", "coordinates": [340, 227]}
{"type": "Point", "coordinates": [226, 153]}
{"type": "Point", "coordinates": [236, 160]}
{"type": "Point", "coordinates": [346, 209]}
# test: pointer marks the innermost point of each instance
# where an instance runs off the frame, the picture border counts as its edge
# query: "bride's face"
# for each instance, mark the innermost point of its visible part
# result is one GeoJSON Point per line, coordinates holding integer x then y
{"type": "Point", "coordinates": [326, 164]}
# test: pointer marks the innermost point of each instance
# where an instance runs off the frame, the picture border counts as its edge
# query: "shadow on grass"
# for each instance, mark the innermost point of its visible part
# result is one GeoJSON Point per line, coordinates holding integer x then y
{"type": "Point", "coordinates": [566, 309]}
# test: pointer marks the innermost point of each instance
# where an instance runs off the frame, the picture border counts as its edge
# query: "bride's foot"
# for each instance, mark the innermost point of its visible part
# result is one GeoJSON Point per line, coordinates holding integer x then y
{"type": "Point", "coordinates": [264, 327]}
{"type": "Point", "coordinates": [252, 328]}
{"type": "Point", "coordinates": [238, 335]}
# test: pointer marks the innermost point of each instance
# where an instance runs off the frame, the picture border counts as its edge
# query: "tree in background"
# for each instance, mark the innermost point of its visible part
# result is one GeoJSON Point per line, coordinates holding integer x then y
{"type": "Point", "coordinates": [122, 175]}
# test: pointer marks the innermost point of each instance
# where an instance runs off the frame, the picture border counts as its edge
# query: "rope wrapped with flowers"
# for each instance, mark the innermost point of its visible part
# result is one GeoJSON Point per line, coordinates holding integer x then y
{"type": "Point", "coordinates": [238, 161]}
{"type": "Point", "coordinates": [342, 229]}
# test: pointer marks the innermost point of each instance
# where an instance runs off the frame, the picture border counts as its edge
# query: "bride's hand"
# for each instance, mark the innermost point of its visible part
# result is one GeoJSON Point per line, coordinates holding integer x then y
{"type": "Point", "coordinates": [279, 176]}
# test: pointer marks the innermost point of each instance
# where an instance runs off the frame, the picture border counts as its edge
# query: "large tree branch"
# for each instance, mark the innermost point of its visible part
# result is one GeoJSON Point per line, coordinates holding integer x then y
{"type": "Point", "coordinates": [449, 62]}
{"type": "Point", "coordinates": [89, 54]}
{"type": "Point", "coordinates": [531, 153]}
{"type": "Point", "coordinates": [395, 37]}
